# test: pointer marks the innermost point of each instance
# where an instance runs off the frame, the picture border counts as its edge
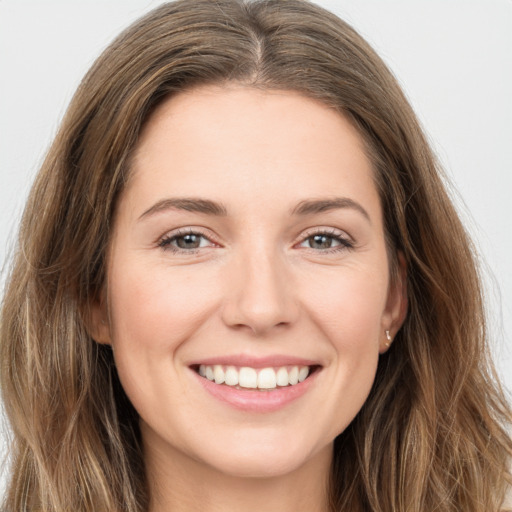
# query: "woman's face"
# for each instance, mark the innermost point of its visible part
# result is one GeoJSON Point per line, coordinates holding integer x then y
{"type": "Point", "coordinates": [248, 247]}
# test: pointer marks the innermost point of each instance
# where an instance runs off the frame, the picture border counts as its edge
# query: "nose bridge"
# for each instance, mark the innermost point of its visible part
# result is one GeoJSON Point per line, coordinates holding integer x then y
{"type": "Point", "coordinates": [260, 296]}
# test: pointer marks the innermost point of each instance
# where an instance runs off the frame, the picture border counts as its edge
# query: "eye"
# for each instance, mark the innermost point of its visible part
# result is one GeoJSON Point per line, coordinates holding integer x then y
{"type": "Point", "coordinates": [327, 241]}
{"type": "Point", "coordinates": [185, 241]}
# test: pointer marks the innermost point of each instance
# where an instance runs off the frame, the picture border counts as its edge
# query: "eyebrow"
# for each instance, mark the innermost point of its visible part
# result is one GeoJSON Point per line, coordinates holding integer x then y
{"type": "Point", "coordinates": [188, 204]}
{"type": "Point", "coordinates": [310, 207]}
{"type": "Point", "coordinates": [208, 207]}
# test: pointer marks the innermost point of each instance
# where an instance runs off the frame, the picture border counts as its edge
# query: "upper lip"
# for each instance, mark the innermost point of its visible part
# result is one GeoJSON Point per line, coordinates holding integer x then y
{"type": "Point", "coordinates": [256, 362]}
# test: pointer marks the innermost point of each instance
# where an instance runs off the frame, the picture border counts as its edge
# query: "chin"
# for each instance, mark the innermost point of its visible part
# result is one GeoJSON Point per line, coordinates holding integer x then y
{"type": "Point", "coordinates": [260, 467]}
{"type": "Point", "coordinates": [266, 459]}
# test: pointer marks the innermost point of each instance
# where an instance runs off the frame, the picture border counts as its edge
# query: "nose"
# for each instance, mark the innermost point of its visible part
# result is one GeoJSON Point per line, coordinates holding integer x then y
{"type": "Point", "coordinates": [260, 293]}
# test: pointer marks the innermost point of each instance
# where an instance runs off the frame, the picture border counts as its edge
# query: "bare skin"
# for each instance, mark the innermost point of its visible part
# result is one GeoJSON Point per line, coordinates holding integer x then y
{"type": "Point", "coordinates": [250, 230]}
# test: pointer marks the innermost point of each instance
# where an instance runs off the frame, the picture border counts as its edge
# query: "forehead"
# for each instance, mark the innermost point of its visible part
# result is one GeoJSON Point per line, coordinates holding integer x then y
{"type": "Point", "coordinates": [213, 140]}
{"type": "Point", "coordinates": [207, 113]}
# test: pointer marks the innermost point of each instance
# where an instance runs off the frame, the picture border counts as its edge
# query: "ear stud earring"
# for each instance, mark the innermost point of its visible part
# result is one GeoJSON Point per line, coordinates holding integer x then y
{"type": "Point", "coordinates": [389, 340]}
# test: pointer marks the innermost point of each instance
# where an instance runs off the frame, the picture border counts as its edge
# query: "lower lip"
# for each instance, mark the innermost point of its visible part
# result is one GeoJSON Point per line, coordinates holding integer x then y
{"type": "Point", "coordinates": [252, 400]}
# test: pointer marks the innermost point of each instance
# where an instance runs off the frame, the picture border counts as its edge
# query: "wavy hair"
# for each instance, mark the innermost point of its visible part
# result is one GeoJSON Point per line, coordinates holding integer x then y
{"type": "Point", "coordinates": [433, 432]}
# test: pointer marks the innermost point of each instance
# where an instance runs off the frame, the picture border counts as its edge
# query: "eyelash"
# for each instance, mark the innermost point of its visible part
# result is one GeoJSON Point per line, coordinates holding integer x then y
{"type": "Point", "coordinates": [167, 240]}
{"type": "Point", "coordinates": [344, 242]}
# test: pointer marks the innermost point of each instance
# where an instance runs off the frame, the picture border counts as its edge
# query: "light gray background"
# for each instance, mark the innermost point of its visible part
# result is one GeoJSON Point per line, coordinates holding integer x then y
{"type": "Point", "coordinates": [453, 58]}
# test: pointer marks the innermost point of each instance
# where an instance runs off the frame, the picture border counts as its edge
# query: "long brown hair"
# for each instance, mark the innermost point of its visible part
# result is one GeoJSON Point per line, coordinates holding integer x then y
{"type": "Point", "coordinates": [432, 434]}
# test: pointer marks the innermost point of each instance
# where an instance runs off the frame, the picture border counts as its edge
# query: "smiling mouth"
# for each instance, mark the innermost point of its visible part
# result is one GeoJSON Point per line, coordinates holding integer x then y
{"type": "Point", "coordinates": [257, 379]}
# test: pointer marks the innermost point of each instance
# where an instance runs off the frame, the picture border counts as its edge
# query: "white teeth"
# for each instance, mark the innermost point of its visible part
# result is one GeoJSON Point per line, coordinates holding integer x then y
{"type": "Point", "coordinates": [267, 378]}
{"type": "Point", "coordinates": [293, 376]}
{"type": "Point", "coordinates": [282, 377]}
{"type": "Point", "coordinates": [303, 373]}
{"type": "Point", "coordinates": [246, 377]}
{"type": "Point", "coordinates": [218, 374]}
{"type": "Point", "coordinates": [231, 377]}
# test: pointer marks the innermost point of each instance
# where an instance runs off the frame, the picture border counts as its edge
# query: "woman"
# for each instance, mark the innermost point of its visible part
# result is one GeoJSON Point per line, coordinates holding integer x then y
{"type": "Point", "coordinates": [240, 283]}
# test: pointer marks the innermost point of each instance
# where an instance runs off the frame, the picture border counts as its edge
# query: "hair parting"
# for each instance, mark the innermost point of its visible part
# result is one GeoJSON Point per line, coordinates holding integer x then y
{"type": "Point", "coordinates": [433, 432]}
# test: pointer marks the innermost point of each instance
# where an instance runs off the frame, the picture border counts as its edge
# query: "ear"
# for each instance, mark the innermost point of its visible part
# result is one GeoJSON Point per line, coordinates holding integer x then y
{"type": "Point", "coordinates": [98, 323]}
{"type": "Point", "coordinates": [396, 306]}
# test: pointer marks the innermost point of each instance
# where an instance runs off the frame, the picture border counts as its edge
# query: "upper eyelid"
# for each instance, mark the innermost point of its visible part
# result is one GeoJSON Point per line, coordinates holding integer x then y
{"type": "Point", "coordinates": [206, 233]}
{"type": "Point", "coordinates": [330, 231]}
{"type": "Point", "coordinates": [188, 230]}
{"type": "Point", "coordinates": [167, 241]}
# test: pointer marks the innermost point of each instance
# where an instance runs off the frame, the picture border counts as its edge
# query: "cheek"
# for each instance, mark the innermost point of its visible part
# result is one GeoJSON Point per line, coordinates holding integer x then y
{"type": "Point", "coordinates": [155, 307]}
{"type": "Point", "coordinates": [348, 305]}
{"type": "Point", "coordinates": [348, 309]}
{"type": "Point", "coordinates": [154, 310]}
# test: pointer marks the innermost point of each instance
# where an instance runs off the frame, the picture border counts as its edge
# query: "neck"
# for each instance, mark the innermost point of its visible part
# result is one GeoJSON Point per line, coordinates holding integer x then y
{"type": "Point", "coordinates": [181, 484]}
